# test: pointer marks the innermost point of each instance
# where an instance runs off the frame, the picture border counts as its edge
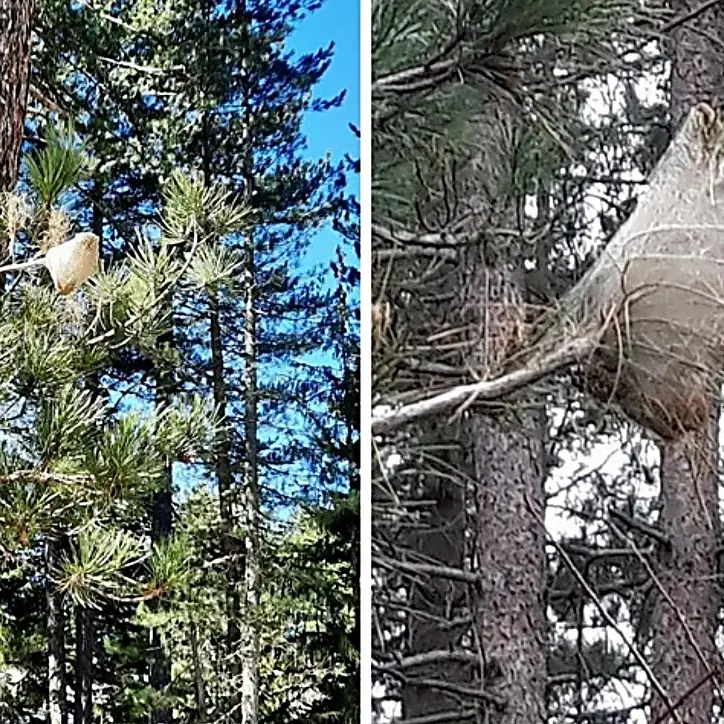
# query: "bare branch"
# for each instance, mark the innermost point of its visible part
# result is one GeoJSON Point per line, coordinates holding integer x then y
{"type": "Point", "coordinates": [567, 354]}
{"type": "Point", "coordinates": [426, 569]}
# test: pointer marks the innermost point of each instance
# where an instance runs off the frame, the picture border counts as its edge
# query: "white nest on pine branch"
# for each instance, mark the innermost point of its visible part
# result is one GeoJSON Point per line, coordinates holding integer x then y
{"type": "Point", "coordinates": [70, 263]}
{"type": "Point", "coordinates": [646, 323]}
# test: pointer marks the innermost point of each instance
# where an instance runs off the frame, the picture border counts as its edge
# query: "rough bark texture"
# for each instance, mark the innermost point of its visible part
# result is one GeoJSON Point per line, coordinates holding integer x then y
{"type": "Point", "coordinates": [477, 313]}
{"type": "Point", "coordinates": [506, 446]}
{"type": "Point", "coordinates": [685, 614]}
{"type": "Point", "coordinates": [15, 23]}
{"type": "Point", "coordinates": [697, 73]}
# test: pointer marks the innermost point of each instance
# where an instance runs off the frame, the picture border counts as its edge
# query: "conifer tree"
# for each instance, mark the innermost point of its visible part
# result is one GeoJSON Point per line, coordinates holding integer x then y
{"type": "Point", "coordinates": [475, 111]}
{"type": "Point", "coordinates": [170, 79]}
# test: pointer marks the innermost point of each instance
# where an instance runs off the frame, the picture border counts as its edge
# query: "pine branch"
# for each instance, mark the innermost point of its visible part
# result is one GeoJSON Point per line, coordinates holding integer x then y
{"type": "Point", "coordinates": [560, 358]}
{"type": "Point", "coordinates": [46, 478]}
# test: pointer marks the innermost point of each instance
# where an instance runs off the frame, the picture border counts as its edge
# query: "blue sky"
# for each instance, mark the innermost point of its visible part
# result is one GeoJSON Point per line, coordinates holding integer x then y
{"type": "Point", "coordinates": [337, 21]}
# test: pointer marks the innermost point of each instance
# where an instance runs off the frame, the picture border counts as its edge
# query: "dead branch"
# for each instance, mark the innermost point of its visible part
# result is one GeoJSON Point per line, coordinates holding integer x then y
{"type": "Point", "coordinates": [569, 353]}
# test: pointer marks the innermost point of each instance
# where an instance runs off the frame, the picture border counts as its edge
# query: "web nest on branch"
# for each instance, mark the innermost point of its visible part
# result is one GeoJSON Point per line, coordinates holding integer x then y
{"type": "Point", "coordinates": [656, 295]}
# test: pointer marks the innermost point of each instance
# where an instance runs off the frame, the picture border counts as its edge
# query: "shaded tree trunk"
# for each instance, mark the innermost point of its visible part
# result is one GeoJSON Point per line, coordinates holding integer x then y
{"type": "Point", "coordinates": [161, 531]}
{"type": "Point", "coordinates": [57, 704]}
{"type": "Point", "coordinates": [15, 25]}
{"type": "Point", "coordinates": [685, 613]}
{"type": "Point", "coordinates": [433, 530]}
{"type": "Point", "coordinates": [501, 452]}
{"type": "Point", "coordinates": [83, 666]}
{"type": "Point", "coordinates": [506, 446]}
{"type": "Point", "coordinates": [436, 601]}
{"type": "Point", "coordinates": [199, 683]}
{"type": "Point", "coordinates": [225, 480]}
{"type": "Point", "coordinates": [160, 670]}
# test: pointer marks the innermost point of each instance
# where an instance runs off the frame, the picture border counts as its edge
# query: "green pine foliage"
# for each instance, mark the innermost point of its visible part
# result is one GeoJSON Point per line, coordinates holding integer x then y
{"type": "Point", "coordinates": [186, 156]}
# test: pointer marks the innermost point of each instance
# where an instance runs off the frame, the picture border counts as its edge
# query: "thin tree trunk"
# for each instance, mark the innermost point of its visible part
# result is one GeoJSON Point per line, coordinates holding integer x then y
{"type": "Point", "coordinates": [15, 25]}
{"type": "Point", "coordinates": [436, 535]}
{"type": "Point", "coordinates": [225, 482]}
{"type": "Point", "coordinates": [249, 634]}
{"type": "Point", "coordinates": [199, 684]}
{"type": "Point", "coordinates": [685, 612]}
{"type": "Point", "coordinates": [57, 704]}
{"type": "Point", "coordinates": [83, 666]}
{"type": "Point", "coordinates": [249, 628]}
{"type": "Point", "coordinates": [161, 529]}
{"type": "Point", "coordinates": [439, 538]}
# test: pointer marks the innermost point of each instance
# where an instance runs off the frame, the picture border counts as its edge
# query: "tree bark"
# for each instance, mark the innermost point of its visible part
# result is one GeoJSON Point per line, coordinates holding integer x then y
{"type": "Point", "coordinates": [506, 446]}
{"type": "Point", "coordinates": [83, 666]}
{"type": "Point", "coordinates": [160, 669]}
{"type": "Point", "coordinates": [249, 634]}
{"type": "Point", "coordinates": [433, 527]}
{"type": "Point", "coordinates": [685, 612]}
{"type": "Point", "coordinates": [225, 481]}
{"type": "Point", "coordinates": [435, 602]}
{"type": "Point", "coordinates": [199, 683]}
{"type": "Point", "coordinates": [57, 704]}
{"type": "Point", "coordinates": [686, 606]}
{"type": "Point", "coordinates": [15, 26]}
{"type": "Point", "coordinates": [162, 528]}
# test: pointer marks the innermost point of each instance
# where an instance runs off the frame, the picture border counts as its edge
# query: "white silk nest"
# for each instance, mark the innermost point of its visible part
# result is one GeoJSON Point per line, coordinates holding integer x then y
{"type": "Point", "coordinates": [656, 294]}
{"type": "Point", "coordinates": [73, 262]}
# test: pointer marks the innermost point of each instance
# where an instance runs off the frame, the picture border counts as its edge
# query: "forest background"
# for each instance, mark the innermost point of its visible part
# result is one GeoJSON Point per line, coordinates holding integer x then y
{"type": "Point", "coordinates": [179, 447]}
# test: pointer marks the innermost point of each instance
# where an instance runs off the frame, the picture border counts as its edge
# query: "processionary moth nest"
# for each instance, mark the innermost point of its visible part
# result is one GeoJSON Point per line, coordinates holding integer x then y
{"type": "Point", "coordinates": [657, 291]}
{"type": "Point", "coordinates": [72, 262]}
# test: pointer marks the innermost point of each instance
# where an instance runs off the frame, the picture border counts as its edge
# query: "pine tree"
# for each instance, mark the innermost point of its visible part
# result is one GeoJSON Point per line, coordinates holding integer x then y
{"type": "Point", "coordinates": [474, 115]}
{"type": "Point", "coordinates": [74, 468]}
{"type": "Point", "coordinates": [171, 79]}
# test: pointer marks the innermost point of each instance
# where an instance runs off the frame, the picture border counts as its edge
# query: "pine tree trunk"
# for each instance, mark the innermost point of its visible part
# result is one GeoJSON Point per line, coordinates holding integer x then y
{"type": "Point", "coordinates": [685, 613]}
{"type": "Point", "coordinates": [161, 529]}
{"type": "Point", "coordinates": [507, 449]}
{"type": "Point", "coordinates": [249, 635]}
{"type": "Point", "coordinates": [57, 704]}
{"type": "Point", "coordinates": [501, 451]}
{"type": "Point", "coordinates": [15, 25]}
{"type": "Point", "coordinates": [83, 666]}
{"type": "Point", "coordinates": [225, 482]}
{"type": "Point", "coordinates": [437, 534]}
{"type": "Point", "coordinates": [199, 684]}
